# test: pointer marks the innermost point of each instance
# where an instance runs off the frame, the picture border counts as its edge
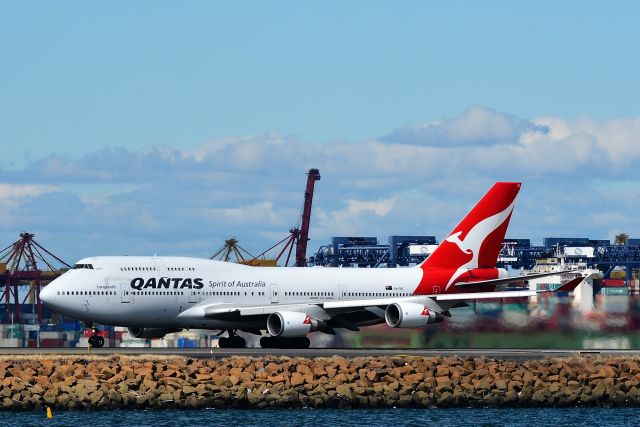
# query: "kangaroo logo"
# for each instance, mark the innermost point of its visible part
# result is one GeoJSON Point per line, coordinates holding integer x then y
{"type": "Point", "coordinates": [472, 242]}
{"type": "Point", "coordinates": [307, 320]}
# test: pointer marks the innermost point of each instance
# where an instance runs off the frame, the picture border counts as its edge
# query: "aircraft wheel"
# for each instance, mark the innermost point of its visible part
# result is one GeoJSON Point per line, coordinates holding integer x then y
{"type": "Point", "coordinates": [238, 342]}
{"type": "Point", "coordinates": [96, 341]}
{"type": "Point", "coordinates": [232, 342]}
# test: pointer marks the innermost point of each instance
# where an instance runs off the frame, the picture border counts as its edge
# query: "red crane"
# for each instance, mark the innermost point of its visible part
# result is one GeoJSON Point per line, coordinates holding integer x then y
{"type": "Point", "coordinates": [299, 236]}
{"type": "Point", "coordinates": [25, 263]}
{"type": "Point", "coordinates": [303, 235]}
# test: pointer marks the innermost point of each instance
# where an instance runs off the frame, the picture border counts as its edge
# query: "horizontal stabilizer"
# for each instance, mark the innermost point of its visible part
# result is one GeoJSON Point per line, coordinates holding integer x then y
{"type": "Point", "coordinates": [570, 286]}
{"type": "Point", "coordinates": [502, 281]}
{"type": "Point", "coordinates": [484, 295]}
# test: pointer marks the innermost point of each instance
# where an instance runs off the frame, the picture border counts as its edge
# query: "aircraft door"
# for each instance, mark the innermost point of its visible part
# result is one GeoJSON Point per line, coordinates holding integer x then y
{"type": "Point", "coordinates": [120, 286]}
{"type": "Point", "coordinates": [125, 293]}
{"type": "Point", "coordinates": [193, 296]}
{"type": "Point", "coordinates": [274, 294]}
{"type": "Point", "coordinates": [342, 292]}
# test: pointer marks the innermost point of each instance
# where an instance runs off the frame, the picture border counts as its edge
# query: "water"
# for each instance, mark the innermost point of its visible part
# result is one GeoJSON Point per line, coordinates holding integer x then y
{"type": "Point", "coordinates": [333, 417]}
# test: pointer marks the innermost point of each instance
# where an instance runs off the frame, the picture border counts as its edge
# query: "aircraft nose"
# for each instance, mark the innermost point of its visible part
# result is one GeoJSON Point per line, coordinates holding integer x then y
{"type": "Point", "coordinates": [48, 293]}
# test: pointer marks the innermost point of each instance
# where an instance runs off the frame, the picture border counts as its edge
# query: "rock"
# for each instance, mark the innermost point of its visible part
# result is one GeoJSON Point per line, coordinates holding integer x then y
{"type": "Point", "coordinates": [276, 378]}
{"type": "Point", "coordinates": [331, 371]}
{"type": "Point", "coordinates": [442, 371]}
{"type": "Point", "coordinates": [539, 397]}
{"type": "Point", "coordinates": [344, 390]}
{"type": "Point", "coordinates": [446, 399]}
{"type": "Point", "coordinates": [95, 397]}
{"type": "Point", "coordinates": [297, 379]}
{"type": "Point", "coordinates": [190, 390]}
{"type": "Point", "coordinates": [501, 384]}
{"type": "Point", "coordinates": [443, 383]}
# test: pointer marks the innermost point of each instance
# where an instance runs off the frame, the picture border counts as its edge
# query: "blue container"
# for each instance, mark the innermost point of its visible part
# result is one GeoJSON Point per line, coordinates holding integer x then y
{"type": "Point", "coordinates": [187, 343]}
{"type": "Point", "coordinates": [49, 327]}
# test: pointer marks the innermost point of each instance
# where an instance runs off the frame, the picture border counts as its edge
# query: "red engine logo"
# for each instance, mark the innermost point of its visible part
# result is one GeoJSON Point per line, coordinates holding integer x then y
{"type": "Point", "coordinates": [307, 320]}
{"type": "Point", "coordinates": [425, 311]}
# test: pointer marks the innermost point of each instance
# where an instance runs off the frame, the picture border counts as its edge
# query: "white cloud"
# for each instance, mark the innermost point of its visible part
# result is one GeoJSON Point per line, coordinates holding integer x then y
{"type": "Point", "coordinates": [12, 196]}
{"type": "Point", "coordinates": [476, 126]}
{"type": "Point", "coordinates": [579, 178]}
{"type": "Point", "coordinates": [353, 218]}
{"type": "Point", "coordinates": [14, 191]}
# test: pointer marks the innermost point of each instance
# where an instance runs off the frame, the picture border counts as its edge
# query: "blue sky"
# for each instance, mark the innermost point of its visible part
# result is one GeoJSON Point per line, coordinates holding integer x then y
{"type": "Point", "coordinates": [157, 127]}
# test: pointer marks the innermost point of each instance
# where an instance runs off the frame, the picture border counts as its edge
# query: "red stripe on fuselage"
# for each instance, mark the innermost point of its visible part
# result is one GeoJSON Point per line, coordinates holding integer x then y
{"type": "Point", "coordinates": [435, 280]}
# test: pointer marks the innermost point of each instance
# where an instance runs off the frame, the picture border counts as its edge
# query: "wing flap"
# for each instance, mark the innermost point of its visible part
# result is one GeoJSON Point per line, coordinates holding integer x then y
{"type": "Point", "coordinates": [374, 302]}
{"type": "Point", "coordinates": [483, 295]}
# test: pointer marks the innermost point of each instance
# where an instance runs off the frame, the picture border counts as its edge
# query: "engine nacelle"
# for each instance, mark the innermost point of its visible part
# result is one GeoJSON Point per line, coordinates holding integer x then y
{"type": "Point", "coordinates": [291, 324]}
{"type": "Point", "coordinates": [150, 332]}
{"type": "Point", "coordinates": [410, 315]}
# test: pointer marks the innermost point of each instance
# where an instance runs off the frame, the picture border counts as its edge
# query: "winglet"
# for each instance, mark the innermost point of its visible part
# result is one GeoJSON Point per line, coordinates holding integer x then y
{"type": "Point", "coordinates": [570, 285]}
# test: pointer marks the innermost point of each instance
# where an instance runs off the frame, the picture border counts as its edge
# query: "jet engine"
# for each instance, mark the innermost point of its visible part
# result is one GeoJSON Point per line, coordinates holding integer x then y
{"type": "Point", "coordinates": [292, 324]}
{"type": "Point", "coordinates": [410, 315]}
{"type": "Point", "coordinates": [150, 332]}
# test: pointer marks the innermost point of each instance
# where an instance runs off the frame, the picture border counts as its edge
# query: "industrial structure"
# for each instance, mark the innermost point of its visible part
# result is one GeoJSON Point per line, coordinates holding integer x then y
{"type": "Point", "coordinates": [367, 252]}
{"type": "Point", "coordinates": [26, 265]}
{"type": "Point", "coordinates": [516, 253]}
{"type": "Point", "coordinates": [241, 255]}
{"type": "Point", "coordinates": [298, 237]}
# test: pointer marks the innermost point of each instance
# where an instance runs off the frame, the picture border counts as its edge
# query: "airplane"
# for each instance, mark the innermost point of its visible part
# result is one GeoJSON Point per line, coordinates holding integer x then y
{"type": "Point", "coordinates": [154, 296]}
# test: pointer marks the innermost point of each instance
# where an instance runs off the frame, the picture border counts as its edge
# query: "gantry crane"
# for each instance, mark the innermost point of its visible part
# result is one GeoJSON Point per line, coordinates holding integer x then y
{"type": "Point", "coordinates": [25, 263]}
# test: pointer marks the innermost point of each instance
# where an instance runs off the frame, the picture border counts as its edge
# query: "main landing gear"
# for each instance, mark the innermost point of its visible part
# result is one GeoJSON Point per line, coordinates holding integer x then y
{"type": "Point", "coordinates": [279, 342]}
{"type": "Point", "coordinates": [233, 341]}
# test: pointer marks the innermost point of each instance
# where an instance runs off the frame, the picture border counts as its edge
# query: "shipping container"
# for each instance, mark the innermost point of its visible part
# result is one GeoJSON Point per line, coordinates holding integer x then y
{"type": "Point", "coordinates": [15, 331]}
{"type": "Point", "coordinates": [10, 342]}
{"type": "Point", "coordinates": [46, 335]}
{"type": "Point", "coordinates": [617, 290]}
{"type": "Point", "coordinates": [187, 343]}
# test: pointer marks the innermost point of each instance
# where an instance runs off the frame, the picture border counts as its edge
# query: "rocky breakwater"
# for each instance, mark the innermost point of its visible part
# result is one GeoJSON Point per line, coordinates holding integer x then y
{"type": "Point", "coordinates": [29, 383]}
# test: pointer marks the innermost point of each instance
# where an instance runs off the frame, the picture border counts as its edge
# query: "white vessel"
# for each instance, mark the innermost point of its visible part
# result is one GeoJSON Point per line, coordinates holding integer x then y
{"type": "Point", "coordinates": [583, 300]}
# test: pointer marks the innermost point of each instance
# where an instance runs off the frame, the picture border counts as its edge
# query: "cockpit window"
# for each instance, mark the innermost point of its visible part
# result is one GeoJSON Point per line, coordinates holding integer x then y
{"type": "Point", "coordinates": [88, 266]}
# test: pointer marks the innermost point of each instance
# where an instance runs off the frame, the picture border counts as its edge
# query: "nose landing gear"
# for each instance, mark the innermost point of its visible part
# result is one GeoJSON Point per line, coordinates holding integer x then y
{"type": "Point", "coordinates": [95, 340]}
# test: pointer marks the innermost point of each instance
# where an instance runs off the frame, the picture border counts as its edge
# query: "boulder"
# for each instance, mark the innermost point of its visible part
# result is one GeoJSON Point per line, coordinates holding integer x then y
{"type": "Point", "coordinates": [297, 379]}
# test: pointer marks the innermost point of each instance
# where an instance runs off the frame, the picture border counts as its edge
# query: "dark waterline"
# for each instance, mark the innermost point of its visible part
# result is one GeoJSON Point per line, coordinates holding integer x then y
{"type": "Point", "coordinates": [578, 417]}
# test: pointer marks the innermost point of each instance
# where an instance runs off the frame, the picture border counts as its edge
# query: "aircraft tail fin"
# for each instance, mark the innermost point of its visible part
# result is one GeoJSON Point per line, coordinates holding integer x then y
{"type": "Point", "coordinates": [477, 240]}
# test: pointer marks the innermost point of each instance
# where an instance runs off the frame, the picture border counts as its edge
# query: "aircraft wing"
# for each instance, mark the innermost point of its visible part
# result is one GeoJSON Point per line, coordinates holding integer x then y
{"type": "Point", "coordinates": [506, 280]}
{"type": "Point", "coordinates": [438, 302]}
{"type": "Point", "coordinates": [206, 310]}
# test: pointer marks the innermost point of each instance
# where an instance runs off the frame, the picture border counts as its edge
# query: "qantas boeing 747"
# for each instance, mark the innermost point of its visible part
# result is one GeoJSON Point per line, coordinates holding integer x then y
{"type": "Point", "coordinates": [154, 296]}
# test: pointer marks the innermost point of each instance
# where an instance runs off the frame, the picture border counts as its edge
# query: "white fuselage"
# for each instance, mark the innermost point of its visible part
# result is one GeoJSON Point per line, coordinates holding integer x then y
{"type": "Point", "coordinates": [153, 291]}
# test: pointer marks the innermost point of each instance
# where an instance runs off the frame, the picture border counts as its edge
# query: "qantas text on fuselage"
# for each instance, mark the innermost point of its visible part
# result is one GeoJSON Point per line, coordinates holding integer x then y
{"type": "Point", "coordinates": [157, 295]}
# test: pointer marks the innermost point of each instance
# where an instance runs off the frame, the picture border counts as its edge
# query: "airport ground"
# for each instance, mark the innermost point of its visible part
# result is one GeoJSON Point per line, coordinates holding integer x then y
{"type": "Point", "coordinates": [215, 353]}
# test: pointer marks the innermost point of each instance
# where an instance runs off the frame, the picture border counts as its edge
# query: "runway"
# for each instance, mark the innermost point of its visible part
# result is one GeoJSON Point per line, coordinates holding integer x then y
{"type": "Point", "coordinates": [214, 353]}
